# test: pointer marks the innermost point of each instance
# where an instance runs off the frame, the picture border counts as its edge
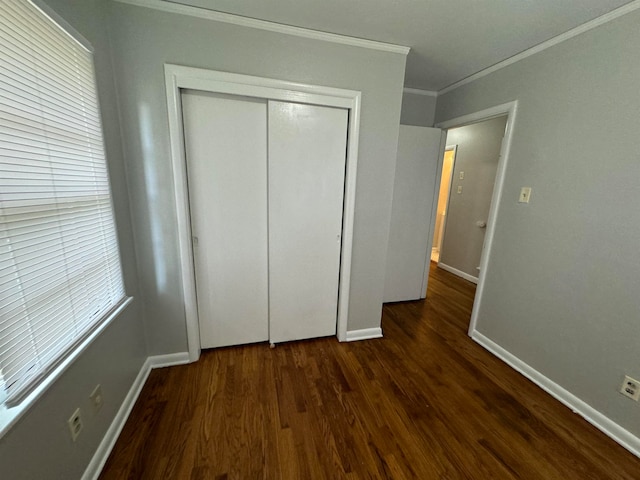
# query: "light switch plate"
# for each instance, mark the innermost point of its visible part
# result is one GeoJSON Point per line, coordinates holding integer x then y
{"type": "Point", "coordinates": [525, 195]}
{"type": "Point", "coordinates": [96, 398]}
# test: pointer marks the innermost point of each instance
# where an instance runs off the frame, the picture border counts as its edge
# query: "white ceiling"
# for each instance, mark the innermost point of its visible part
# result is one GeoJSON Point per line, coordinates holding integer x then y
{"type": "Point", "coordinates": [449, 39]}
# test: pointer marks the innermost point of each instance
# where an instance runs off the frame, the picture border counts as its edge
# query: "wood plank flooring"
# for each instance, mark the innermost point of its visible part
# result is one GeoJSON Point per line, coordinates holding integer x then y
{"type": "Point", "coordinates": [424, 402]}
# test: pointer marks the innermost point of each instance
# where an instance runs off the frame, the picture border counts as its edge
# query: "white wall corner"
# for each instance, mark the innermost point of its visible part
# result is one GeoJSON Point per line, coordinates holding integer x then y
{"type": "Point", "coordinates": [590, 414]}
{"type": "Point", "coordinates": [364, 334]}
{"type": "Point", "coordinates": [101, 455]}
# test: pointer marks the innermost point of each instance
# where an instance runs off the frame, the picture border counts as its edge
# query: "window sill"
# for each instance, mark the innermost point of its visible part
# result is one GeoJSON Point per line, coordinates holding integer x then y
{"type": "Point", "coordinates": [10, 415]}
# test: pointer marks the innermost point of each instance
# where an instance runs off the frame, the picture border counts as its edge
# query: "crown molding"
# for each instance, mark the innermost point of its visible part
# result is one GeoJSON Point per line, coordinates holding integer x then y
{"type": "Point", "coordinates": [204, 13]}
{"type": "Point", "coordinates": [417, 91]}
{"type": "Point", "coordinates": [585, 27]}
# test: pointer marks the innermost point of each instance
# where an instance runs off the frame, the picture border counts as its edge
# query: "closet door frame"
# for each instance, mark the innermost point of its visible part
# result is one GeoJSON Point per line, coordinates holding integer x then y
{"type": "Point", "coordinates": [178, 78]}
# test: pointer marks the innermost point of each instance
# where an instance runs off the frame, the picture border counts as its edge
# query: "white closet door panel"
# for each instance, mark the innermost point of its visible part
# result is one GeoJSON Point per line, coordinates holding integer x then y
{"type": "Point", "coordinates": [226, 148]}
{"type": "Point", "coordinates": [307, 152]}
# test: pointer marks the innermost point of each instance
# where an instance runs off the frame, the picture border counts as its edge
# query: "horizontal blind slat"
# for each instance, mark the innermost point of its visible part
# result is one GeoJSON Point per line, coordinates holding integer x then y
{"type": "Point", "coordinates": [20, 122]}
{"type": "Point", "coordinates": [36, 40]}
{"type": "Point", "coordinates": [22, 132]}
{"type": "Point", "coordinates": [60, 96]}
{"type": "Point", "coordinates": [46, 27]}
{"type": "Point", "coordinates": [31, 108]}
{"type": "Point", "coordinates": [59, 261]}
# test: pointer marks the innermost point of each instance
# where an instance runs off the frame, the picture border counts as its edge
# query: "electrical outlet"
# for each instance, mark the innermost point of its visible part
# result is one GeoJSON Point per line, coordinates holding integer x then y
{"type": "Point", "coordinates": [96, 398]}
{"type": "Point", "coordinates": [630, 388]}
{"type": "Point", "coordinates": [75, 424]}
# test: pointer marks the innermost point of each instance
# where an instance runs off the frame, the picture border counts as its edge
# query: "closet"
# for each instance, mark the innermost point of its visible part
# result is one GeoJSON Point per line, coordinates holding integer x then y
{"type": "Point", "coordinates": [266, 185]}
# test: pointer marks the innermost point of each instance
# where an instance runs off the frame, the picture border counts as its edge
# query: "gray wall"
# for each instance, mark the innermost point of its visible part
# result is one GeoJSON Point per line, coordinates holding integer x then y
{"type": "Point", "coordinates": [561, 291]}
{"type": "Point", "coordinates": [477, 156]}
{"type": "Point", "coordinates": [418, 110]}
{"type": "Point", "coordinates": [144, 40]}
{"type": "Point", "coordinates": [39, 445]}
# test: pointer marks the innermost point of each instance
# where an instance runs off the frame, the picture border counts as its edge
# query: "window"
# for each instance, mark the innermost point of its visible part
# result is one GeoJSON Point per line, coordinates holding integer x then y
{"type": "Point", "coordinates": [60, 274]}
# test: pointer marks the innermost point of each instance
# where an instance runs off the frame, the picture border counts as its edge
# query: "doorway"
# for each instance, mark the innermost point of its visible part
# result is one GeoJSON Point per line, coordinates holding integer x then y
{"type": "Point", "coordinates": [506, 113]}
{"type": "Point", "coordinates": [443, 200]}
{"type": "Point", "coordinates": [468, 195]}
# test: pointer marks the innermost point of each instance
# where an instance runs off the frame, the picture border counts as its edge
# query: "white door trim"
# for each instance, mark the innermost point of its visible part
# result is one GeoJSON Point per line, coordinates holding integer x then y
{"type": "Point", "coordinates": [510, 110]}
{"type": "Point", "coordinates": [177, 78]}
{"type": "Point", "coordinates": [454, 149]}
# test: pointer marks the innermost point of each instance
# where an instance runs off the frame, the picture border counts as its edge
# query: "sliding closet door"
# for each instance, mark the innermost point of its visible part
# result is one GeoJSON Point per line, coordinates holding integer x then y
{"type": "Point", "coordinates": [226, 149]}
{"type": "Point", "coordinates": [307, 152]}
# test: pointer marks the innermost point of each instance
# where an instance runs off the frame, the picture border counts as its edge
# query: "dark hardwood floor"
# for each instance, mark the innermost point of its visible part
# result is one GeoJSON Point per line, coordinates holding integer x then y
{"type": "Point", "coordinates": [424, 402]}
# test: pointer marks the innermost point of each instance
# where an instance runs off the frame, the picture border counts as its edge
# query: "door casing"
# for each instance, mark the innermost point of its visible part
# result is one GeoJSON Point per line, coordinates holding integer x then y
{"type": "Point", "coordinates": [509, 109]}
{"type": "Point", "coordinates": [454, 149]}
{"type": "Point", "coordinates": [179, 77]}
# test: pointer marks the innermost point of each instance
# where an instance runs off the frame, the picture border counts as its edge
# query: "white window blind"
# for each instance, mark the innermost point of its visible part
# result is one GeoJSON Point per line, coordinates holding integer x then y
{"type": "Point", "coordinates": [60, 270]}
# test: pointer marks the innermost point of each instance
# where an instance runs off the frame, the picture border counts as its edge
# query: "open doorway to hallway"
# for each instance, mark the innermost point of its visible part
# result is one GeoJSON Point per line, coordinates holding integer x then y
{"type": "Point", "coordinates": [469, 168]}
{"type": "Point", "coordinates": [468, 177]}
{"type": "Point", "coordinates": [443, 200]}
{"type": "Point", "coordinates": [481, 143]}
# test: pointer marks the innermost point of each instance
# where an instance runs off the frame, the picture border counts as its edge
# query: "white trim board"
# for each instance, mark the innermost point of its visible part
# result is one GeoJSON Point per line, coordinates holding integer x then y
{"type": "Point", "coordinates": [364, 334]}
{"type": "Point", "coordinates": [417, 91]}
{"type": "Point", "coordinates": [434, 215]}
{"type": "Point", "coordinates": [241, 21]}
{"type": "Point", "coordinates": [93, 470]}
{"type": "Point", "coordinates": [169, 360]}
{"type": "Point", "coordinates": [457, 272]}
{"type": "Point", "coordinates": [590, 414]}
{"type": "Point", "coordinates": [574, 32]}
{"type": "Point", "coordinates": [179, 77]}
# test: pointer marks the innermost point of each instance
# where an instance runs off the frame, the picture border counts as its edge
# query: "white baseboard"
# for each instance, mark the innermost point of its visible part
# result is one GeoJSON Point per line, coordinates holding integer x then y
{"type": "Point", "coordinates": [169, 360]}
{"type": "Point", "coordinates": [101, 455]}
{"type": "Point", "coordinates": [364, 334]}
{"type": "Point", "coordinates": [109, 440]}
{"type": "Point", "coordinates": [457, 272]}
{"type": "Point", "coordinates": [590, 414]}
